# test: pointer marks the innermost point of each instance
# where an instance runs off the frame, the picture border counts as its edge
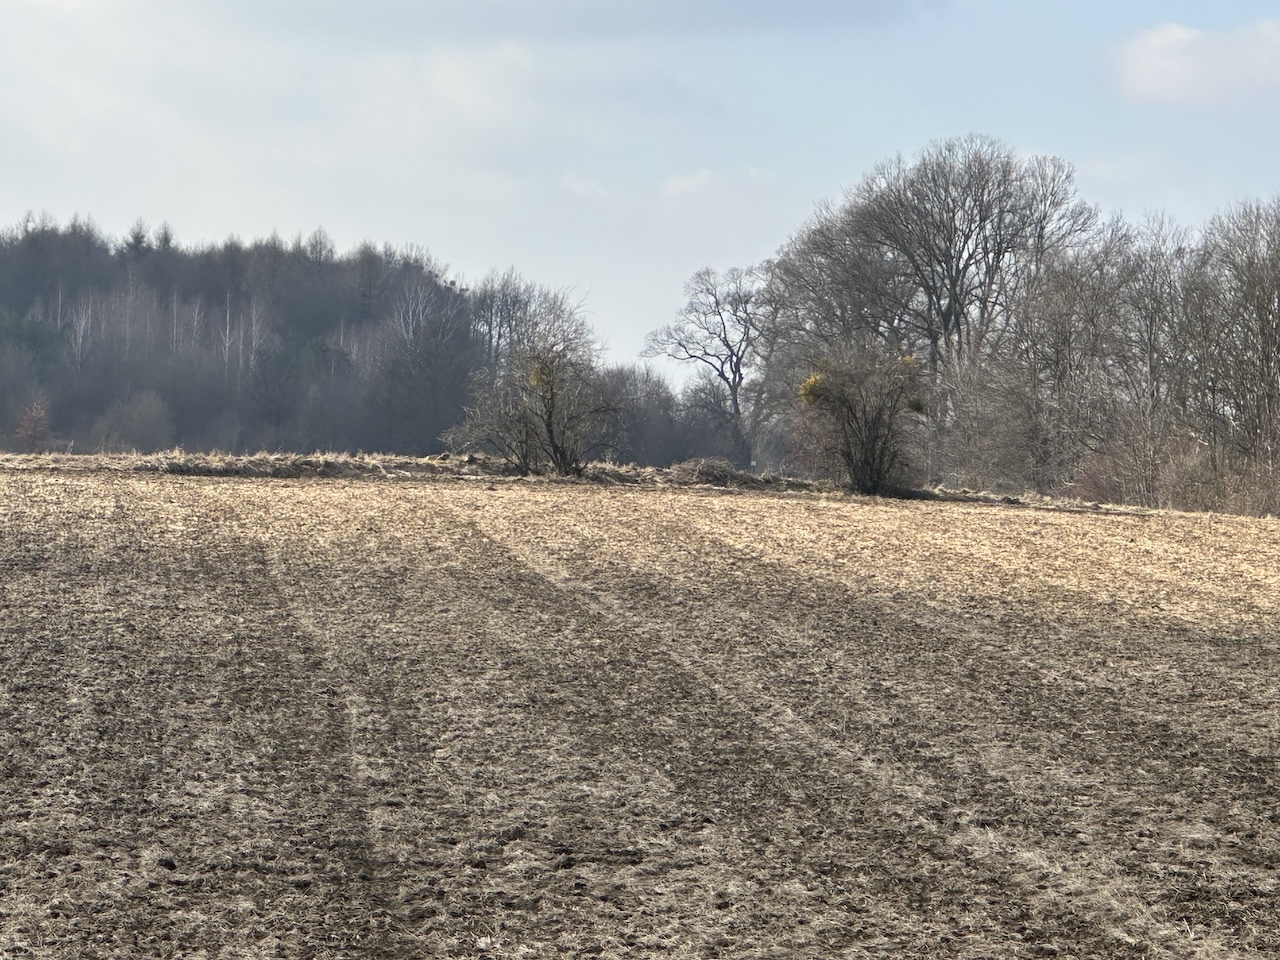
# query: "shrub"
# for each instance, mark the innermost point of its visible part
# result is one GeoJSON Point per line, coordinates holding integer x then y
{"type": "Point", "coordinates": [32, 431]}
{"type": "Point", "coordinates": [866, 403]}
{"type": "Point", "coordinates": [141, 423]}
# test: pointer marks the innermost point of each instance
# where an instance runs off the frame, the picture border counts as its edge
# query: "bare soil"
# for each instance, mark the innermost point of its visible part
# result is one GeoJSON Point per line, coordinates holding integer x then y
{"type": "Point", "coordinates": [484, 717]}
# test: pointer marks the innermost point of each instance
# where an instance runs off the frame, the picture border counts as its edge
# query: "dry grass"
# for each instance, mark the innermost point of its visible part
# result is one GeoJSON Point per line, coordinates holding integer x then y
{"type": "Point", "coordinates": [711, 472]}
{"type": "Point", "coordinates": [344, 718]}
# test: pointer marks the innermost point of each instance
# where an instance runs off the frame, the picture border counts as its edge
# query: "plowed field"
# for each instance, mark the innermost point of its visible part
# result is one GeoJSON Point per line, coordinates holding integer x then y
{"type": "Point", "coordinates": [473, 718]}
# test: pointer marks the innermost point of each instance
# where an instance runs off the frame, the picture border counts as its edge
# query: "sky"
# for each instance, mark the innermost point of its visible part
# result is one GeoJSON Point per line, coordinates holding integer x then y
{"type": "Point", "coordinates": [611, 148]}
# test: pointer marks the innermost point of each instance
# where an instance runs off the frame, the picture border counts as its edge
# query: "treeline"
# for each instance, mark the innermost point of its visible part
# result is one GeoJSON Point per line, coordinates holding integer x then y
{"type": "Point", "coordinates": [140, 343]}
{"type": "Point", "coordinates": [961, 318]}
{"type": "Point", "coordinates": [964, 318]}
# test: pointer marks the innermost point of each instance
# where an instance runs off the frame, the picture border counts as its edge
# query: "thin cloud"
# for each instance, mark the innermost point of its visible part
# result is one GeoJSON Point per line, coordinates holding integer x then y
{"type": "Point", "coordinates": [584, 188]}
{"type": "Point", "coordinates": [1183, 66]}
{"type": "Point", "coordinates": [414, 21]}
{"type": "Point", "coordinates": [684, 184]}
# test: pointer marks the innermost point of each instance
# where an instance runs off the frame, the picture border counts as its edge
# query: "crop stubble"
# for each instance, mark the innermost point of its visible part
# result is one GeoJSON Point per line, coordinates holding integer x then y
{"type": "Point", "coordinates": [471, 718]}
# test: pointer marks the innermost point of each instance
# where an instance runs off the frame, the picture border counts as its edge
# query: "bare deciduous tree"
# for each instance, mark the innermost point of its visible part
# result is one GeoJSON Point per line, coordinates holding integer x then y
{"type": "Point", "coordinates": [503, 307]}
{"type": "Point", "coordinates": [544, 407]}
{"type": "Point", "coordinates": [1056, 382]}
{"type": "Point", "coordinates": [80, 332]}
{"type": "Point", "coordinates": [1235, 323]}
{"type": "Point", "coordinates": [718, 330]}
{"type": "Point", "coordinates": [963, 229]}
{"type": "Point", "coordinates": [1153, 429]}
{"type": "Point", "coordinates": [931, 258]}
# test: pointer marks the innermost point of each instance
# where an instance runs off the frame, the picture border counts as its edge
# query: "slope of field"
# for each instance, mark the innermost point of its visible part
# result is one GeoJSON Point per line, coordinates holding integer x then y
{"type": "Point", "coordinates": [491, 718]}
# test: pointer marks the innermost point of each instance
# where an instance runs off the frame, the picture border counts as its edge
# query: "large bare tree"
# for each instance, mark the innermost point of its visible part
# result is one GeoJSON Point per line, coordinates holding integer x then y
{"type": "Point", "coordinates": [718, 330]}
{"type": "Point", "coordinates": [1236, 319]}
{"type": "Point", "coordinates": [963, 230]}
{"type": "Point", "coordinates": [930, 258]}
{"type": "Point", "coordinates": [1055, 383]}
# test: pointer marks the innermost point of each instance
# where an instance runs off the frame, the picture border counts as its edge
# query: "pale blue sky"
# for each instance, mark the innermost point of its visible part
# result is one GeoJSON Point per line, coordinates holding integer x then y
{"type": "Point", "coordinates": [615, 148]}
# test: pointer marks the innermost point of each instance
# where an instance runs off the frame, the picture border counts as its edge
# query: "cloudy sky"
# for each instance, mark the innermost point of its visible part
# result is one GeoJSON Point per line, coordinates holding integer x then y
{"type": "Point", "coordinates": [611, 147]}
